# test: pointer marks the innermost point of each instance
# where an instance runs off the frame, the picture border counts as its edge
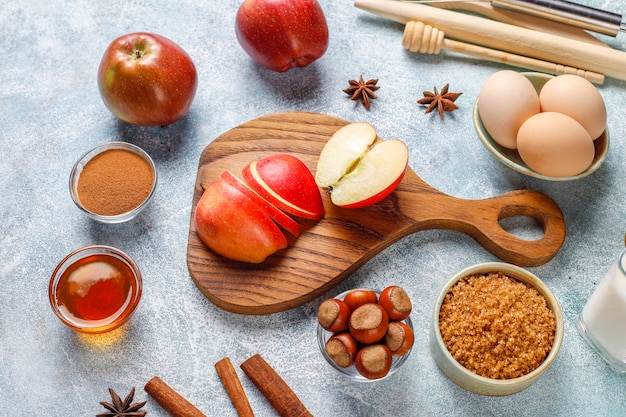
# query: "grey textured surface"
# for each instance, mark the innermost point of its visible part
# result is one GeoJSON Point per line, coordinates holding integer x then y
{"type": "Point", "coordinates": [51, 112]}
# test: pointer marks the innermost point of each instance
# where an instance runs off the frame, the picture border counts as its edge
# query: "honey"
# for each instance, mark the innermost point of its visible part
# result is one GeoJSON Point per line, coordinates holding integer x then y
{"type": "Point", "coordinates": [94, 291]}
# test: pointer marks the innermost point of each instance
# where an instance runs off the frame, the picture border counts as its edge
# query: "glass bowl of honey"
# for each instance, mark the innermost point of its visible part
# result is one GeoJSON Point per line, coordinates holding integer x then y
{"type": "Point", "coordinates": [95, 289]}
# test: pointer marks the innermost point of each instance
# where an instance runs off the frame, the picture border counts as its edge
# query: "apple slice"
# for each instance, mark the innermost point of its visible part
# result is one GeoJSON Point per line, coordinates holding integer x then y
{"type": "Point", "coordinates": [286, 182]}
{"type": "Point", "coordinates": [276, 214]}
{"type": "Point", "coordinates": [358, 168]}
{"type": "Point", "coordinates": [232, 225]}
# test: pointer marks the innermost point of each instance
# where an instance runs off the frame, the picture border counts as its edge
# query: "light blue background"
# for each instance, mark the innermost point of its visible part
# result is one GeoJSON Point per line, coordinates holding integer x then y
{"type": "Point", "coordinates": [51, 113]}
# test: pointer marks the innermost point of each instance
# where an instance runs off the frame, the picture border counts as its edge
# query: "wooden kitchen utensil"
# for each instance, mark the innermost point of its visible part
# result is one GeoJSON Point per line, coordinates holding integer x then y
{"type": "Point", "coordinates": [504, 37]}
{"type": "Point", "coordinates": [551, 16]}
{"type": "Point", "coordinates": [425, 39]}
{"type": "Point", "coordinates": [515, 18]}
{"type": "Point", "coordinates": [328, 251]}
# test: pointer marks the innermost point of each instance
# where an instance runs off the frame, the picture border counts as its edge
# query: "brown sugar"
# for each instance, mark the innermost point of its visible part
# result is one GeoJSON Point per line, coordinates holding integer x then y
{"type": "Point", "coordinates": [115, 181]}
{"type": "Point", "coordinates": [496, 326]}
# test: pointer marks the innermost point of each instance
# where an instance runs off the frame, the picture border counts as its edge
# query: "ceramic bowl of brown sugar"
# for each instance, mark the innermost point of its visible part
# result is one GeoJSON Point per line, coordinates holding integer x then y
{"type": "Point", "coordinates": [113, 182]}
{"type": "Point", "coordinates": [496, 328]}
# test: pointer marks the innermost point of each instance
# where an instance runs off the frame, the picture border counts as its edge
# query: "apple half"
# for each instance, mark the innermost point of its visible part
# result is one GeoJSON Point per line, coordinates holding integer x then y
{"type": "Point", "coordinates": [277, 215]}
{"type": "Point", "coordinates": [286, 182]}
{"type": "Point", "coordinates": [232, 225]}
{"type": "Point", "coordinates": [358, 168]}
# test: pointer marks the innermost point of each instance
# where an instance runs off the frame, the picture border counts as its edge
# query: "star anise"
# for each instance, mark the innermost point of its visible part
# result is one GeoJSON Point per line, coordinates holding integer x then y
{"type": "Point", "coordinates": [362, 90]}
{"type": "Point", "coordinates": [121, 408]}
{"type": "Point", "coordinates": [443, 100]}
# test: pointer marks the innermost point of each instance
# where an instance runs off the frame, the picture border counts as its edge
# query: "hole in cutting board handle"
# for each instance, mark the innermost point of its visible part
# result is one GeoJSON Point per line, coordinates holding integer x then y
{"type": "Point", "coordinates": [523, 227]}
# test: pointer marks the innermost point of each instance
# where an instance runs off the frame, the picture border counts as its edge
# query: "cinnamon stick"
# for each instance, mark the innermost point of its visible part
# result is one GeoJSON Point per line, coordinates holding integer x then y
{"type": "Point", "coordinates": [170, 400]}
{"type": "Point", "coordinates": [274, 388]}
{"type": "Point", "coordinates": [231, 382]}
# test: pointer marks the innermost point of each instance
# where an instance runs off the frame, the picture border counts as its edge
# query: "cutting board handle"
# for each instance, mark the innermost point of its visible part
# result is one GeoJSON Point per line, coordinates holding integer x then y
{"type": "Point", "coordinates": [481, 220]}
{"type": "Point", "coordinates": [522, 203]}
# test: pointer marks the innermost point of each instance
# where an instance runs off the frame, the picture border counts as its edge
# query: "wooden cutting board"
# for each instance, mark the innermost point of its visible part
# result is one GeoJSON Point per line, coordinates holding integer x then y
{"type": "Point", "coordinates": [330, 250]}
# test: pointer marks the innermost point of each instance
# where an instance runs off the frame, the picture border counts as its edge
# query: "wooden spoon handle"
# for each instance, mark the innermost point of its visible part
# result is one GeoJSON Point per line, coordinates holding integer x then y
{"type": "Point", "coordinates": [481, 220]}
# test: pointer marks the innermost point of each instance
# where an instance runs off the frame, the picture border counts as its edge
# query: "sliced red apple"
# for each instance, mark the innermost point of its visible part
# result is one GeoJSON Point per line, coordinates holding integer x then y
{"type": "Point", "coordinates": [342, 151]}
{"type": "Point", "coordinates": [232, 225]}
{"type": "Point", "coordinates": [279, 217]}
{"type": "Point", "coordinates": [286, 182]}
{"type": "Point", "coordinates": [358, 168]}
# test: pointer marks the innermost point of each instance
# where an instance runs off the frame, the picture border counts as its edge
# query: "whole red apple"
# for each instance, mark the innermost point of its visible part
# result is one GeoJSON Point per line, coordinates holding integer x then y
{"type": "Point", "coordinates": [147, 79]}
{"type": "Point", "coordinates": [282, 34]}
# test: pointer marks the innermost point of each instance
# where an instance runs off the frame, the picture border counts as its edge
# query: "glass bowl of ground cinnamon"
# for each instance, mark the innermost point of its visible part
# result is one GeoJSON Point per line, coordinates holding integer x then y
{"type": "Point", "coordinates": [113, 182]}
{"type": "Point", "coordinates": [496, 328]}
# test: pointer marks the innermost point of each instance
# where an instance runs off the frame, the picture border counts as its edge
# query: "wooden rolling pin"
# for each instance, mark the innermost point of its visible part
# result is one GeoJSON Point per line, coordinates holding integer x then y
{"type": "Point", "coordinates": [486, 9]}
{"type": "Point", "coordinates": [425, 39]}
{"type": "Point", "coordinates": [505, 37]}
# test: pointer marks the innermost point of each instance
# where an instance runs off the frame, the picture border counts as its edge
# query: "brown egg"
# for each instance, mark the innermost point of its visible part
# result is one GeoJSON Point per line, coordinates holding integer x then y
{"type": "Point", "coordinates": [505, 101]}
{"type": "Point", "coordinates": [578, 98]}
{"type": "Point", "coordinates": [554, 144]}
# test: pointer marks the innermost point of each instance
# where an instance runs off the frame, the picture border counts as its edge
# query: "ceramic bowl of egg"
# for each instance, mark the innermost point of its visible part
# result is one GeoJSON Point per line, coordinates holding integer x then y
{"type": "Point", "coordinates": [544, 126]}
{"type": "Point", "coordinates": [364, 334]}
{"type": "Point", "coordinates": [496, 328]}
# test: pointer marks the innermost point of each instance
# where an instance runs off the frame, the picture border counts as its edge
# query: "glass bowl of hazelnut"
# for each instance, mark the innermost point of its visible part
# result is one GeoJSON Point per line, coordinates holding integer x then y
{"type": "Point", "coordinates": [364, 334]}
{"type": "Point", "coordinates": [496, 328]}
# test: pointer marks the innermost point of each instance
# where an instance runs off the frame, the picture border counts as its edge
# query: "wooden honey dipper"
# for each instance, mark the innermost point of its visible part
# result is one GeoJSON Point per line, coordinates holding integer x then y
{"type": "Point", "coordinates": [423, 38]}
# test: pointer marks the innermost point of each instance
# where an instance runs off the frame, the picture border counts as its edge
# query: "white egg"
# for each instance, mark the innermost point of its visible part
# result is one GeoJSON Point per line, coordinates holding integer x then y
{"type": "Point", "coordinates": [578, 98]}
{"type": "Point", "coordinates": [505, 101]}
{"type": "Point", "coordinates": [554, 144]}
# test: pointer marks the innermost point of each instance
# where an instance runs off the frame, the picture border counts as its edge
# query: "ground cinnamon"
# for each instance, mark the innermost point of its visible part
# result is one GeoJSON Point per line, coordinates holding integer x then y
{"type": "Point", "coordinates": [114, 182]}
{"type": "Point", "coordinates": [171, 401]}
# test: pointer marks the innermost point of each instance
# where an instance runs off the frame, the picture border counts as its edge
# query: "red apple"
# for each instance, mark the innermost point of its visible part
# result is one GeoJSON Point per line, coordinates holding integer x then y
{"type": "Point", "coordinates": [232, 225]}
{"type": "Point", "coordinates": [286, 182]}
{"type": "Point", "coordinates": [277, 215]}
{"type": "Point", "coordinates": [147, 79]}
{"type": "Point", "coordinates": [359, 168]}
{"type": "Point", "coordinates": [282, 34]}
